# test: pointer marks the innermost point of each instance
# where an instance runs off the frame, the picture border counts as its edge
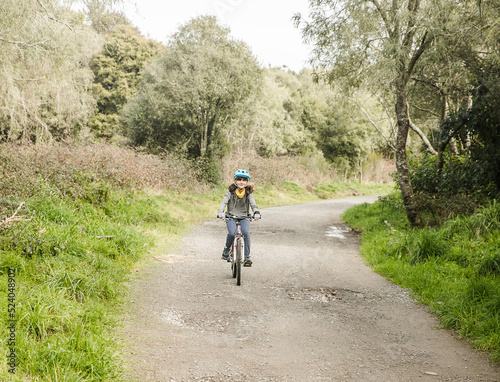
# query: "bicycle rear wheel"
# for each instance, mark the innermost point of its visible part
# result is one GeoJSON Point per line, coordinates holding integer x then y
{"type": "Point", "coordinates": [239, 260]}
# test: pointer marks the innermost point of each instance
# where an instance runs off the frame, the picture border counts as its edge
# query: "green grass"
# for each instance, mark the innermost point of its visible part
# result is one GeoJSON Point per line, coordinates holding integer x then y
{"type": "Point", "coordinates": [454, 268]}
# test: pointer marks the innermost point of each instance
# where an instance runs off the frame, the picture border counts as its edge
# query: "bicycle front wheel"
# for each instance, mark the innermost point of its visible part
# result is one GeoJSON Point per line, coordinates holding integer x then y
{"type": "Point", "coordinates": [239, 260]}
{"type": "Point", "coordinates": [233, 267]}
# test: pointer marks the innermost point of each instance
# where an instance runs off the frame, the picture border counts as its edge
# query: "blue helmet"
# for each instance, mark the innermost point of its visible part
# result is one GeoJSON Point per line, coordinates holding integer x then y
{"type": "Point", "coordinates": [242, 174]}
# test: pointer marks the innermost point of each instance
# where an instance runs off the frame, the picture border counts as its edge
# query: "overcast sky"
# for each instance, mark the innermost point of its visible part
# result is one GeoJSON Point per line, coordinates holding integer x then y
{"type": "Point", "coordinates": [265, 25]}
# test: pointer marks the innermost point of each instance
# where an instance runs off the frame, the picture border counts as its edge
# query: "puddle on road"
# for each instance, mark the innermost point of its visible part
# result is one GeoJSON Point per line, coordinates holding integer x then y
{"type": "Point", "coordinates": [337, 232]}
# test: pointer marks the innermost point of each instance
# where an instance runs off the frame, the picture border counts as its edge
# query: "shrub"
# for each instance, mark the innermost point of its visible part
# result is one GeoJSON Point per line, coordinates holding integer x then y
{"type": "Point", "coordinates": [82, 171]}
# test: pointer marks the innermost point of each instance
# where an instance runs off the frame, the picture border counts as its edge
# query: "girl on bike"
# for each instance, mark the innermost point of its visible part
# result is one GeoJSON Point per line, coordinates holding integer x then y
{"type": "Point", "coordinates": [238, 200]}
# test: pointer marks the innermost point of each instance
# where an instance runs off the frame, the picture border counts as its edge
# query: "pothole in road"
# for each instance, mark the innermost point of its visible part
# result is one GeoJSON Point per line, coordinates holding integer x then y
{"type": "Point", "coordinates": [320, 294]}
{"type": "Point", "coordinates": [172, 317]}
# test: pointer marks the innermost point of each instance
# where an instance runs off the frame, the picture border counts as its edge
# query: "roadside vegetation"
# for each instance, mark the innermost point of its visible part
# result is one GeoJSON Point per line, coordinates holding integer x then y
{"type": "Point", "coordinates": [453, 268]}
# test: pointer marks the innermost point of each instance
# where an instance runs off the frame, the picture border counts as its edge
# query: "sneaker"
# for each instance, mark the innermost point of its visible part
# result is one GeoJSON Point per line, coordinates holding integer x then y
{"type": "Point", "coordinates": [225, 253]}
{"type": "Point", "coordinates": [247, 263]}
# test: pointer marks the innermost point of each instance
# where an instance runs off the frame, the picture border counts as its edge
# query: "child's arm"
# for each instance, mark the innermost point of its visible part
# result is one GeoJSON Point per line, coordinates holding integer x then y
{"type": "Point", "coordinates": [223, 204]}
{"type": "Point", "coordinates": [255, 208]}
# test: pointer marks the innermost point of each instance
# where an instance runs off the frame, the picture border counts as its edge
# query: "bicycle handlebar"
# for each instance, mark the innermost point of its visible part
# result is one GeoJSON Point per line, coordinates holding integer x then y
{"type": "Point", "coordinates": [238, 219]}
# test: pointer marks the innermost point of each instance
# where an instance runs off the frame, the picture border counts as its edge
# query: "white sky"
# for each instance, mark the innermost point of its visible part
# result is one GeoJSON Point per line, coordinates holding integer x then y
{"type": "Point", "coordinates": [265, 25]}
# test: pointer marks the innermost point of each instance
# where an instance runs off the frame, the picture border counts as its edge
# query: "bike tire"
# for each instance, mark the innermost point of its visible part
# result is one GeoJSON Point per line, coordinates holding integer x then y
{"type": "Point", "coordinates": [231, 258]}
{"type": "Point", "coordinates": [239, 260]}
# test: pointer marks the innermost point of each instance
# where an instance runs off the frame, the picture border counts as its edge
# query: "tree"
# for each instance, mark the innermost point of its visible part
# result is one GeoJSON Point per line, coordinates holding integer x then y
{"type": "Point", "coordinates": [116, 73]}
{"type": "Point", "coordinates": [187, 97]}
{"type": "Point", "coordinates": [337, 126]}
{"type": "Point", "coordinates": [271, 122]}
{"type": "Point", "coordinates": [381, 45]}
{"type": "Point", "coordinates": [45, 77]}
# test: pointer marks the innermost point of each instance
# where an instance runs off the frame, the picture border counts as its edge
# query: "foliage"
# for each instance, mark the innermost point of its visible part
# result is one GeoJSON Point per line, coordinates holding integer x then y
{"type": "Point", "coordinates": [461, 183]}
{"type": "Point", "coordinates": [294, 115]}
{"type": "Point", "coordinates": [102, 14]}
{"type": "Point", "coordinates": [116, 73]}
{"type": "Point", "coordinates": [456, 190]}
{"type": "Point", "coordinates": [186, 97]}
{"type": "Point", "coordinates": [270, 122]}
{"type": "Point", "coordinates": [339, 129]}
{"type": "Point", "coordinates": [404, 52]}
{"type": "Point", "coordinates": [454, 269]}
{"type": "Point", "coordinates": [45, 76]}
{"type": "Point", "coordinates": [478, 128]}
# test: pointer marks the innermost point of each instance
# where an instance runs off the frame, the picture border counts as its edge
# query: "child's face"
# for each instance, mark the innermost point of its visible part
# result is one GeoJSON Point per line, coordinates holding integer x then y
{"type": "Point", "coordinates": [241, 182]}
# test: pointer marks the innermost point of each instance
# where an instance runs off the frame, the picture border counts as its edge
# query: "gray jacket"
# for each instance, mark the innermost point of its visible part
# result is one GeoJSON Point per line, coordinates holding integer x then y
{"type": "Point", "coordinates": [237, 208]}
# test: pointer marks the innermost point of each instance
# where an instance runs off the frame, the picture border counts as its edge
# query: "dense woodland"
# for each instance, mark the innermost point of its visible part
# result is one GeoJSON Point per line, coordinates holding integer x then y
{"type": "Point", "coordinates": [414, 81]}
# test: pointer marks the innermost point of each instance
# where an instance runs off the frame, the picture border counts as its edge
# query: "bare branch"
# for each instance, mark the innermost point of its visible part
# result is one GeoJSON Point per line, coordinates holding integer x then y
{"type": "Point", "coordinates": [13, 218]}
{"type": "Point", "coordinates": [387, 112]}
{"type": "Point", "coordinates": [419, 132]}
{"type": "Point", "coordinates": [421, 49]}
{"type": "Point", "coordinates": [387, 140]}
{"type": "Point", "coordinates": [425, 110]}
{"type": "Point", "coordinates": [23, 43]}
{"type": "Point", "coordinates": [51, 17]}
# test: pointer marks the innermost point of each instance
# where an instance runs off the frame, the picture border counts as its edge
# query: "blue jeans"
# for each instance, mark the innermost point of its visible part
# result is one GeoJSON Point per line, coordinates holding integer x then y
{"type": "Point", "coordinates": [245, 230]}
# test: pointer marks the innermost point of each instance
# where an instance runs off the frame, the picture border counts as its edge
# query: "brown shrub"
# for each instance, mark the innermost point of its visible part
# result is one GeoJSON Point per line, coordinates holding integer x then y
{"type": "Point", "coordinates": [274, 171]}
{"type": "Point", "coordinates": [24, 169]}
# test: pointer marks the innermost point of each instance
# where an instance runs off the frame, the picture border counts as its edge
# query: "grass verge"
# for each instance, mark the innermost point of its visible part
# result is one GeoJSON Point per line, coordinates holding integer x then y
{"type": "Point", "coordinates": [454, 269]}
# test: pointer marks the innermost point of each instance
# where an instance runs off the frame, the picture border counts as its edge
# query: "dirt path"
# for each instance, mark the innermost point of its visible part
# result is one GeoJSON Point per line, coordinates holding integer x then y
{"type": "Point", "coordinates": [308, 310]}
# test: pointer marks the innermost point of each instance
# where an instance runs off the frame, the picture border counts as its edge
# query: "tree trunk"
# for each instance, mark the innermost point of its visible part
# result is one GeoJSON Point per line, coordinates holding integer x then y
{"type": "Point", "coordinates": [204, 139]}
{"type": "Point", "coordinates": [403, 122]}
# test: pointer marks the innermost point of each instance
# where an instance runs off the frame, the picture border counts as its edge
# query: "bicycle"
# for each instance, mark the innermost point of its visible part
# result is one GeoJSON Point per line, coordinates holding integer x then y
{"type": "Point", "coordinates": [236, 253]}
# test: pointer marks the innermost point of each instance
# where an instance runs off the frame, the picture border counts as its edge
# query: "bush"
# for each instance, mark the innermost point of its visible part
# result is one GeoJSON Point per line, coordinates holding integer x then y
{"type": "Point", "coordinates": [81, 172]}
{"type": "Point", "coordinates": [458, 189]}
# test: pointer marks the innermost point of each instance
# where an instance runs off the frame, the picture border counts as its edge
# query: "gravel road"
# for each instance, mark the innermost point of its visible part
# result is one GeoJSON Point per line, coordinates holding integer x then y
{"type": "Point", "coordinates": [309, 309]}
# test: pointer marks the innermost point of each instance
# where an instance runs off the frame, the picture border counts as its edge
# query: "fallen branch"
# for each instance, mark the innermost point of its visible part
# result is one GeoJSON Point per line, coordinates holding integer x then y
{"type": "Point", "coordinates": [13, 218]}
{"type": "Point", "coordinates": [105, 237]}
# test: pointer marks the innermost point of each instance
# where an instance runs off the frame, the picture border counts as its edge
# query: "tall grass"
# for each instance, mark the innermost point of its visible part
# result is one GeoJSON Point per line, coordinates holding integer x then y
{"type": "Point", "coordinates": [454, 268]}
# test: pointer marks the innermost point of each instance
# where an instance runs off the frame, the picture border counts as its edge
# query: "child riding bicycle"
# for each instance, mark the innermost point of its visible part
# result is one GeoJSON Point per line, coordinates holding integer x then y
{"type": "Point", "coordinates": [238, 200]}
